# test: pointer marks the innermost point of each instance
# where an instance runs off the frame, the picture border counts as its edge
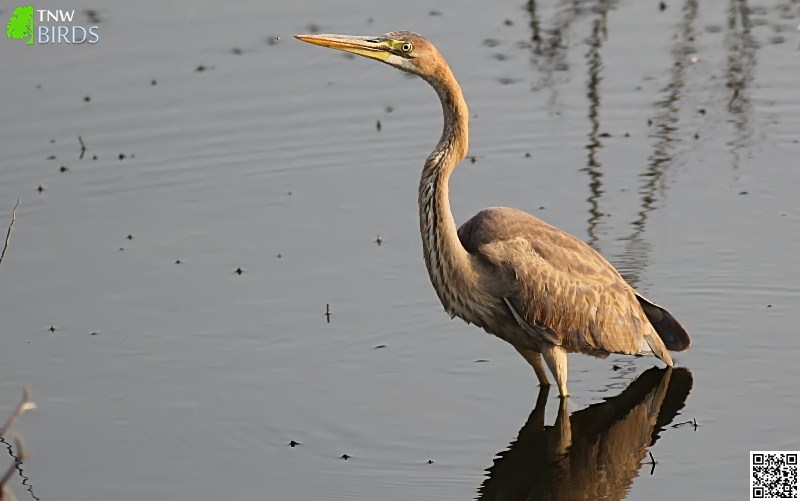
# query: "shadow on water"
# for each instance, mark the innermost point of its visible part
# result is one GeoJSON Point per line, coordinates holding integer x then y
{"type": "Point", "coordinates": [593, 168]}
{"type": "Point", "coordinates": [599, 449]}
{"type": "Point", "coordinates": [741, 46]}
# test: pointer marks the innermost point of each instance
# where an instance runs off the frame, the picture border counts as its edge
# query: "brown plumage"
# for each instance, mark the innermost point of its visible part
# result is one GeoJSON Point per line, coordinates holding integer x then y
{"type": "Point", "coordinates": [529, 283]}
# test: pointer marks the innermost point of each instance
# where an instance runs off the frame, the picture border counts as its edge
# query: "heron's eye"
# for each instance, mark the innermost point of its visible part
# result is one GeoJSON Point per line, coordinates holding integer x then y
{"type": "Point", "coordinates": [407, 47]}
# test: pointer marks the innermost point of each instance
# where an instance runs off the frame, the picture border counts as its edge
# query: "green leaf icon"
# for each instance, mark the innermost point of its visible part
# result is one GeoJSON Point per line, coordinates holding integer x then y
{"type": "Point", "coordinates": [20, 26]}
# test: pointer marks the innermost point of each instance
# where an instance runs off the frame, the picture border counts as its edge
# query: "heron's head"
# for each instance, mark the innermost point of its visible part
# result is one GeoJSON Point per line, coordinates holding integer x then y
{"type": "Point", "coordinates": [402, 49]}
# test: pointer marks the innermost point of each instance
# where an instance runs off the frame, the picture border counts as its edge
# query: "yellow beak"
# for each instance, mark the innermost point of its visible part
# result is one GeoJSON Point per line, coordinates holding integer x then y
{"type": "Point", "coordinates": [371, 47]}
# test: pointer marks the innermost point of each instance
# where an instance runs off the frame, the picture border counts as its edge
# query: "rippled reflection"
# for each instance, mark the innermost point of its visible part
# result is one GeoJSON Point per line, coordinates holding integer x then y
{"type": "Point", "coordinates": [598, 450]}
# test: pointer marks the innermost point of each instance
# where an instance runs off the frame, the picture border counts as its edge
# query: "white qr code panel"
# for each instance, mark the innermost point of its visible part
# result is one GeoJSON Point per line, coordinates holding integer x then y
{"type": "Point", "coordinates": [773, 475]}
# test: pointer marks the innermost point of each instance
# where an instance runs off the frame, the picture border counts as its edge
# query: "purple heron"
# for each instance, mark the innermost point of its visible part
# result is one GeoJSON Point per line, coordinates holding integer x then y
{"type": "Point", "coordinates": [540, 289]}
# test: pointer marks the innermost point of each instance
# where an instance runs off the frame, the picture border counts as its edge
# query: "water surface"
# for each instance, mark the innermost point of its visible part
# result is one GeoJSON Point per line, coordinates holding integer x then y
{"type": "Point", "coordinates": [667, 139]}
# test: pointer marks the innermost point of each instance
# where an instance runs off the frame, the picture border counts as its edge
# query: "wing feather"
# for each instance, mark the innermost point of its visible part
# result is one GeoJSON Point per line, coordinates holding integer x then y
{"type": "Point", "coordinates": [562, 285]}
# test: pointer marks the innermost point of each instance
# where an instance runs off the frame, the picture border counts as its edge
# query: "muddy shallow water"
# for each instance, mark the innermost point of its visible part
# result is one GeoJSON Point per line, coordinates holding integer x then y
{"type": "Point", "coordinates": [668, 139]}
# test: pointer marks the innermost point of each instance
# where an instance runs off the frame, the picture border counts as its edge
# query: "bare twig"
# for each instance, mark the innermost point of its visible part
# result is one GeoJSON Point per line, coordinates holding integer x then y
{"type": "Point", "coordinates": [8, 233]}
{"type": "Point", "coordinates": [25, 404]}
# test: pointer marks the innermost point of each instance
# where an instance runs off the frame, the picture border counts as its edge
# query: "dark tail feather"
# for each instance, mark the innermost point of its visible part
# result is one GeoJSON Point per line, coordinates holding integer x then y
{"type": "Point", "coordinates": [668, 328]}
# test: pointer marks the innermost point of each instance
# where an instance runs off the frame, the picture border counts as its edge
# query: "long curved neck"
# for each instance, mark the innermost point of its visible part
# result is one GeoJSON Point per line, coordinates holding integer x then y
{"type": "Point", "coordinates": [447, 261]}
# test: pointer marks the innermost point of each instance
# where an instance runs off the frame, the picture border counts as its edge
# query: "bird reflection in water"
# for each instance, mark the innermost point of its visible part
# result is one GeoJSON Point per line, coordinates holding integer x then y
{"type": "Point", "coordinates": [595, 453]}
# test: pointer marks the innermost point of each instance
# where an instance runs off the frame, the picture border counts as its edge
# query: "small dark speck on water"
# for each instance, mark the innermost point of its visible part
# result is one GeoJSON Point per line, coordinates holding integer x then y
{"type": "Point", "coordinates": [345, 456]}
{"type": "Point", "coordinates": [200, 68]}
{"type": "Point", "coordinates": [482, 360]}
{"type": "Point", "coordinates": [40, 189]}
{"type": "Point", "coordinates": [434, 13]}
{"type": "Point", "coordinates": [627, 134]}
{"type": "Point", "coordinates": [86, 99]}
{"type": "Point", "coordinates": [430, 461]}
{"type": "Point", "coordinates": [605, 134]}
{"type": "Point", "coordinates": [542, 207]}
{"type": "Point", "coordinates": [129, 237]}
{"type": "Point", "coordinates": [52, 328]}
{"type": "Point", "coordinates": [51, 157]}
{"type": "Point", "coordinates": [93, 333]}
{"type": "Point", "coordinates": [237, 51]}
{"type": "Point", "coordinates": [616, 367]}
{"type": "Point", "coordinates": [649, 122]}
{"type": "Point", "coordinates": [472, 159]}
{"type": "Point", "coordinates": [122, 156]}
{"type": "Point", "coordinates": [273, 40]}
{"type": "Point", "coordinates": [662, 6]}
{"type": "Point", "coordinates": [121, 249]}
{"type": "Point", "coordinates": [379, 240]}
{"type": "Point", "coordinates": [153, 82]}
{"type": "Point", "coordinates": [293, 443]}
{"type": "Point", "coordinates": [389, 109]}
{"type": "Point", "coordinates": [289, 193]}
{"type": "Point", "coordinates": [279, 256]}
{"type": "Point", "coordinates": [178, 261]}
{"type": "Point", "coordinates": [378, 125]}
{"type": "Point", "coordinates": [94, 157]}
{"type": "Point", "coordinates": [527, 155]}
{"type": "Point", "coordinates": [702, 111]}
{"type": "Point", "coordinates": [769, 306]}
{"type": "Point", "coordinates": [697, 135]}
{"type": "Point", "coordinates": [238, 271]}
{"type": "Point", "coordinates": [743, 193]}
{"type": "Point", "coordinates": [63, 168]}
{"type": "Point", "coordinates": [379, 346]}
{"type": "Point", "coordinates": [508, 22]}
{"type": "Point", "coordinates": [52, 141]}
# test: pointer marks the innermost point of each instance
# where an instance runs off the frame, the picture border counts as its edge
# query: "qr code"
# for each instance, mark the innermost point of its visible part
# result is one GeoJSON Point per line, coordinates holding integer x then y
{"type": "Point", "coordinates": [773, 475]}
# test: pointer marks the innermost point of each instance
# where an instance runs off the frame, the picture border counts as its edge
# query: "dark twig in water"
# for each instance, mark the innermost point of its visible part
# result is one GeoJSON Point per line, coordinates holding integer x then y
{"type": "Point", "coordinates": [328, 312]}
{"type": "Point", "coordinates": [652, 462]}
{"type": "Point", "coordinates": [692, 422]}
{"type": "Point", "coordinates": [8, 234]}
{"type": "Point", "coordinates": [83, 147]}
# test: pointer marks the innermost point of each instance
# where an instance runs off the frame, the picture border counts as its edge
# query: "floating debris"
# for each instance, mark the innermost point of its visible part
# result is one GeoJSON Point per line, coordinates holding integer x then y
{"type": "Point", "coordinates": [379, 240]}
{"type": "Point", "coordinates": [379, 347]}
{"type": "Point", "coordinates": [430, 461]}
{"type": "Point", "coordinates": [328, 312]}
{"type": "Point", "coordinates": [238, 271]}
{"type": "Point", "coordinates": [482, 361]}
{"type": "Point", "coordinates": [293, 443]}
{"type": "Point", "coordinates": [378, 125]}
{"type": "Point", "coordinates": [345, 456]}
{"type": "Point", "coordinates": [83, 147]}
{"type": "Point", "coordinates": [743, 193]}
{"type": "Point", "coordinates": [692, 422]}
{"type": "Point", "coordinates": [52, 328]}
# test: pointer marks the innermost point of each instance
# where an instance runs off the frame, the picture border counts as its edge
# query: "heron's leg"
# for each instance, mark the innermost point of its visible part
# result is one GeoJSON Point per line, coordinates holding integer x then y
{"type": "Point", "coordinates": [556, 358]}
{"type": "Point", "coordinates": [535, 359]}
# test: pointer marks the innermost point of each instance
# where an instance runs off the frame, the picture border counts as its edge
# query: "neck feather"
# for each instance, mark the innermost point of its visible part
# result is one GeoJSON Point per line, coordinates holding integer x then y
{"type": "Point", "coordinates": [448, 263]}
